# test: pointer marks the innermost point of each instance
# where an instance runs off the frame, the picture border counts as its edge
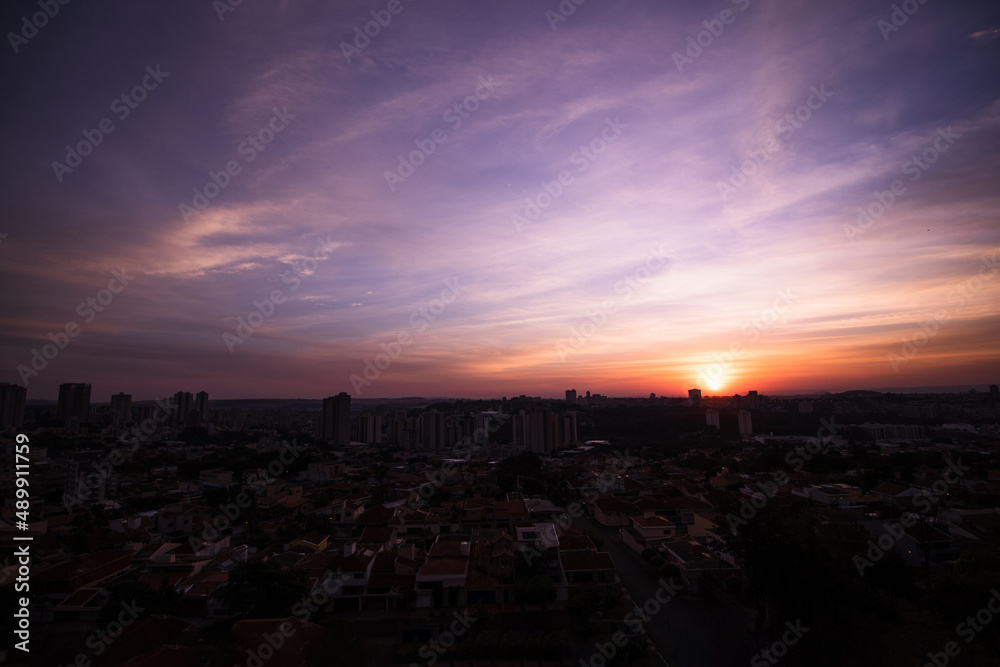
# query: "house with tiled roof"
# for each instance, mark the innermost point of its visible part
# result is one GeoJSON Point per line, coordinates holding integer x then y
{"type": "Point", "coordinates": [586, 568]}
{"type": "Point", "coordinates": [895, 494]}
{"type": "Point", "coordinates": [647, 531]}
{"type": "Point", "coordinates": [611, 511]}
{"type": "Point", "coordinates": [443, 577]}
{"type": "Point", "coordinates": [509, 514]}
{"type": "Point", "coordinates": [92, 569]}
{"type": "Point", "coordinates": [694, 560]}
{"type": "Point", "coordinates": [311, 542]}
{"type": "Point", "coordinates": [151, 631]}
{"type": "Point", "coordinates": [575, 542]}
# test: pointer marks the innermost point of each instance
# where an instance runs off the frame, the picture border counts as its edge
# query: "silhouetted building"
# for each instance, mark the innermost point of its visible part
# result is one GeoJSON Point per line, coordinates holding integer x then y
{"type": "Point", "coordinates": [86, 478]}
{"type": "Point", "coordinates": [569, 433]}
{"type": "Point", "coordinates": [746, 426]}
{"type": "Point", "coordinates": [334, 423]}
{"type": "Point", "coordinates": [369, 428]}
{"type": "Point", "coordinates": [121, 408]}
{"type": "Point", "coordinates": [571, 395]}
{"type": "Point", "coordinates": [405, 432]}
{"type": "Point", "coordinates": [712, 418]}
{"type": "Point", "coordinates": [753, 400]}
{"type": "Point", "coordinates": [201, 406]}
{"type": "Point", "coordinates": [432, 431]}
{"type": "Point", "coordinates": [994, 396]}
{"type": "Point", "coordinates": [74, 403]}
{"type": "Point", "coordinates": [543, 432]}
{"type": "Point", "coordinates": [12, 399]}
{"type": "Point", "coordinates": [183, 402]}
{"type": "Point", "coordinates": [694, 396]}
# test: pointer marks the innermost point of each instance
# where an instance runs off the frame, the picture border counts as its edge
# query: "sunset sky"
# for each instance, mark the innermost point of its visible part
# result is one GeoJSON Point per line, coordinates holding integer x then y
{"type": "Point", "coordinates": [638, 272]}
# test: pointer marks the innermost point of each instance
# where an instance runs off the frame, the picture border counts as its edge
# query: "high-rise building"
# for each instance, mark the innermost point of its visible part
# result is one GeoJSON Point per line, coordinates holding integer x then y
{"type": "Point", "coordinates": [570, 437]}
{"type": "Point", "coordinates": [74, 403]}
{"type": "Point", "coordinates": [121, 408]}
{"type": "Point", "coordinates": [368, 428]}
{"type": "Point", "coordinates": [544, 432]}
{"type": "Point", "coordinates": [746, 426]}
{"type": "Point", "coordinates": [712, 418]}
{"type": "Point", "coordinates": [86, 480]}
{"type": "Point", "coordinates": [12, 399]}
{"type": "Point", "coordinates": [571, 395]}
{"type": "Point", "coordinates": [995, 397]}
{"type": "Point", "coordinates": [183, 404]}
{"type": "Point", "coordinates": [201, 406]}
{"type": "Point", "coordinates": [405, 433]}
{"type": "Point", "coordinates": [694, 396]}
{"type": "Point", "coordinates": [334, 423]}
{"type": "Point", "coordinates": [432, 431]}
{"type": "Point", "coordinates": [753, 400]}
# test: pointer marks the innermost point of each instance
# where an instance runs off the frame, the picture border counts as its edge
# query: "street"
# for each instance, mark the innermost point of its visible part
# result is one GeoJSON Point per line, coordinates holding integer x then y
{"type": "Point", "coordinates": [687, 633]}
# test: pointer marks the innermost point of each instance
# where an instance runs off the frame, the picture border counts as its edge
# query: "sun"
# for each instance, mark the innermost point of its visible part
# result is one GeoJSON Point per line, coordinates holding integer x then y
{"type": "Point", "coordinates": [715, 385]}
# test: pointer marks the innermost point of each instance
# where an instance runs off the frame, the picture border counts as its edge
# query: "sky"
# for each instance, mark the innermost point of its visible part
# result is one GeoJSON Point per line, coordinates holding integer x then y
{"type": "Point", "coordinates": [483, 199]}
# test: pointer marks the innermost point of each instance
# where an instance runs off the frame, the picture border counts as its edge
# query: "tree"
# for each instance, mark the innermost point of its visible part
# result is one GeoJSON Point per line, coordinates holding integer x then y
{"type": "Point", "coordinates": [340, 646]}
{"type": "Point", "coordinates": [164, 600]}
{"type": "Point", "coordinates": [535, 590]}
{"type": "Point", "coordinates": [258, 589]}
{"type": "Point", "coordinates": [525, 464]}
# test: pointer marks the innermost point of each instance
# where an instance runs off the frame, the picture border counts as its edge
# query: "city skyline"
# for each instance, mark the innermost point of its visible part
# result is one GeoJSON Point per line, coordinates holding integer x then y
{"type": "Point", "coordinates": [743, 392]}
{"type": "Point", "coordinates": [498, 200]}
